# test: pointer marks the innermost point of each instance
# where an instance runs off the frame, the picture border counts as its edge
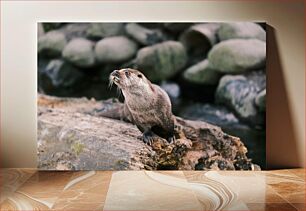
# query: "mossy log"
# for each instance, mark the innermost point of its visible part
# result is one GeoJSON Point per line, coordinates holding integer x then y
{"type": "Point", "coordinates": [82, 134]}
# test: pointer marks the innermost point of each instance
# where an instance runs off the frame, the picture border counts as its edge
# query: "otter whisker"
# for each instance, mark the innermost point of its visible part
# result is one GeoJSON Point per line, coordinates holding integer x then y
{"type": "Point", "coordinates": [110, 84]}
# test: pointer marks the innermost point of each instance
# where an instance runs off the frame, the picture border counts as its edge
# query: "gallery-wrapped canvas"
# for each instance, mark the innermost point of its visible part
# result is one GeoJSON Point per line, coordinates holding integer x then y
{"type": "Point", "coordinates": [151, 96]}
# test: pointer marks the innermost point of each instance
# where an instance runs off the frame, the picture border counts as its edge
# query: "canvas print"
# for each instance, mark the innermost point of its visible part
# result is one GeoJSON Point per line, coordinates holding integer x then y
{"type": "Point", "coordinates": [151, 96]}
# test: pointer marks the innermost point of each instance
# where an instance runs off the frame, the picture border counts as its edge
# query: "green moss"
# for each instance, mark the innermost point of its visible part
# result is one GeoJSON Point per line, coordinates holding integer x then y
{"type": "Point", "coordinates": [77, 148]}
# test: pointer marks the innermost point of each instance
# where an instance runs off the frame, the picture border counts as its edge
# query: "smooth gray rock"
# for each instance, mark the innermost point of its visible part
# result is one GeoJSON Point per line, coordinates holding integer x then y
{"type": "Point", "coordinates": [238, 55]}
{"type": "Point", "coordinates": [239, 93]}
{"type": "Point", "coordinates": [80, 52]}
{"type": "Point", "coordinates": [161, 61]}
{"type": "Point", "coordinates": [213, 114]}
{"type": "Point", "coordinates": [60, 74]}
{"type": "Point", "coordinates": [202, 73]}
{"type": "Point", "coordinates": [101, 30]}
{"type": "Point", "coordinates": [172, 89]}
{"type": "Point", "coordinates": [74, 30]}
{"type": "Point", "coordinates": [261, 100]}
{"type": "Point", "coordinates": [115, 49]}
{"type": "Point", "coordinates": [143, 35]}
{"type": "Point", "coordinates": [51, 44]}
{"type": "Point", "coordinates": [244, 30]}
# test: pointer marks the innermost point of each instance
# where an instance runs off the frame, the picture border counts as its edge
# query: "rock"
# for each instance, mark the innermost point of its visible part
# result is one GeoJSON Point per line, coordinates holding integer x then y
{"type": "Point", "coordinates": [161, 61]}
{"type": "Point", "coordinates": [100, 30]}
{"type": "Point", "coordinates": [87, 145]}
{"type": "Point", "coordinates": [115, 49]}
{"type": "Point", "coordinates": [198, 39]}
{"type": "Point", "coordinates": [59, 74]}
{"type": "Point", "coordinates": [51, 44]}
{"type": "Point", "coordinates": [213, 114]}
{"type": "Point", "coordinates": [172, 89]}
{"type": "Point", "coordinates": [75, 30]}
{"type": "Point", "coordinates": [100, 143]}
{"type": "Point", "coordinates": [243, 30]}
{"type": "Point", "coordinates": [218, 115]}
{"type": "Point", "coordinates": [80, 52]}
{"type": "Point", "coordinates": [239, 93]}
{"type": "Point", "coordinates": [238, 55]}
{"type": "Point", "coordinates": [51, 26]}
{"type": "Point", "coordinates": [40, 30]}
{"type": "Point", "coordinates": [177, 27]}
{"type": "Point", "coordinates": [202, 73]}
{"type": "Point", "coordinates": [143, 35]}
{"type": "Point", "coordinates": [261, 100]}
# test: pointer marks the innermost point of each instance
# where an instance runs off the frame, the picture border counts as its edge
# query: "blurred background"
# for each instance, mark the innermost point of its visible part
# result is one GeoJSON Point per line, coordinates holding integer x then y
{"type": "Point", "coordinates": [213, 72]}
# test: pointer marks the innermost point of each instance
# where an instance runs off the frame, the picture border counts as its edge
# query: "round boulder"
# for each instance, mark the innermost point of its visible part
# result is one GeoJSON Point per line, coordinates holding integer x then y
{"type": "Point", "coordinates": [244, 30]}
{"type": "Point", "coordinates": [143, 35]}
{"type": "Point", "coordinates": [201, 73]}
{"type": "Point", "coordinates": [239, 93]}
{"type": "Point", "coordinates": [161, 61]}
{"type": "Point", "coordinates": [261, 100]}
{"type": "Point", "coordinates": [115, 49]}
{"type": "Point", "coordinates": [79, 52]}
{"type": "Point", "coordinates": [100, 30]}
{"type": "Point", "coordinates": [59, 73]}
{"type": "Point", "coordinates": [238, 55]}
{"type": "Point", "coordinates": [51, 44]}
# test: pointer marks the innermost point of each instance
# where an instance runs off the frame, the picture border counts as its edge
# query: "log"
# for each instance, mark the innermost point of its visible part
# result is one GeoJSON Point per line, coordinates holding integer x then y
{"type": "Point", "coordinates": [82, 134]}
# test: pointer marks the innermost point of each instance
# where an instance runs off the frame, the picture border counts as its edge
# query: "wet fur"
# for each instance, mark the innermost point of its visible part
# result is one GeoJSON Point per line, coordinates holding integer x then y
{"type": "Point", "coordinates": [147, 105]}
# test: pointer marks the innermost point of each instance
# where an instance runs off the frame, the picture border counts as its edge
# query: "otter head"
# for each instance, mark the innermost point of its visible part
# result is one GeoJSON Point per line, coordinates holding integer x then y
{"type": "Point", "coordinates": [130, 80]}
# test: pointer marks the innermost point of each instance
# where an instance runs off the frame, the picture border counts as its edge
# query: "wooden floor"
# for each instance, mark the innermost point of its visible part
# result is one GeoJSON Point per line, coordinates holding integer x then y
{"type": "Point", "coordinates": [28, 189]}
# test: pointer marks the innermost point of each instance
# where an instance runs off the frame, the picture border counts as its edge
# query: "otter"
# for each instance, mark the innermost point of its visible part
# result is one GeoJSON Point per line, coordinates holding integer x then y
{"type": "Point", "coordinates": [146, 105]}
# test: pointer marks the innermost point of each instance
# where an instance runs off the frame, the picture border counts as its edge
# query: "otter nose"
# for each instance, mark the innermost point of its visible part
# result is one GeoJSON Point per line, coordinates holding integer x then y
{"type": "Point", "coordinates": [115, 73]}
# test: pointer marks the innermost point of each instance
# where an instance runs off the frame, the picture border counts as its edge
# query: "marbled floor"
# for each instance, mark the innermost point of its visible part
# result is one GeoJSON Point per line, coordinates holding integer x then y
{"type": "Point", "coordinates": [28, 189]}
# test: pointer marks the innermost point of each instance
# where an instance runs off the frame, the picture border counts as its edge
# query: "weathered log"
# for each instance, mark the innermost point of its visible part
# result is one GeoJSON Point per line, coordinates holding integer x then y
{"type": "Point", "coordinates": [82, 134]}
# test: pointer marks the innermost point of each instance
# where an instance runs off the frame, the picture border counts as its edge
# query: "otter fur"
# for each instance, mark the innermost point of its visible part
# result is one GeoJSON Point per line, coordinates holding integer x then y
{"type": "Point", "coordinates": [146, 104]}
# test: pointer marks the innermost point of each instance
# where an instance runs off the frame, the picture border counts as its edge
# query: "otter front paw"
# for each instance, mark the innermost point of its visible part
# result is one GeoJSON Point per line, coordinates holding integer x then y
{"type": "Point", "coordinates": [171, 139]}
{"type": "Point", "coordinates": [148, 137]}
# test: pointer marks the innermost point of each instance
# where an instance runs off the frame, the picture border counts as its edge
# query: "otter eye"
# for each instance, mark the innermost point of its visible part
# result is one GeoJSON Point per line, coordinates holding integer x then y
{"type": "Point", "coordinates": [139, 76]}
{"type": "Point", "coordinates": [127, 73]}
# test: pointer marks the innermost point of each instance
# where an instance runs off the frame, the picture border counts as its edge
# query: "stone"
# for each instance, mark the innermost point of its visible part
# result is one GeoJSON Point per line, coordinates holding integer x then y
{"type": "Point", "coordinates": [238, 55]}
{"type": "Point", "coordinates": [143, 35]}
{"type": "Point", "coordinates": [97, 142]}
{"type": "Point", "coordinates": [80, 52]}
{"type": "Point", "coordinates": [243, 30]}
{"type": "Point", "coordinates": [115, 49]}
{"type": "Point", "coordinates": [75, 30]}
{"type": "Point", "coordinates": [202, 73]}
{"type": "Point", "coordinates": [100, 30]}
{"type": "Point", "coordinates": [172, 89]}
{"type": "Point", "coordinates": [59, 74]}
{"type": "Point", "coordinates": [198, 40]}
{"type": "Point", "coordinates": [51, 26]}
{"type": "Point", "coordinates": [161, 61]}
{"type": "Point", "coordinates": [213, 114]}
{"type": "Point", "coordinates": [177, 27]}
{"type": "Point", "coordinates": [51, 44]}
{"type": "Point", "coordinates": [261, 100]}
{"type": "Point", "coordinates": [238, 92]}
